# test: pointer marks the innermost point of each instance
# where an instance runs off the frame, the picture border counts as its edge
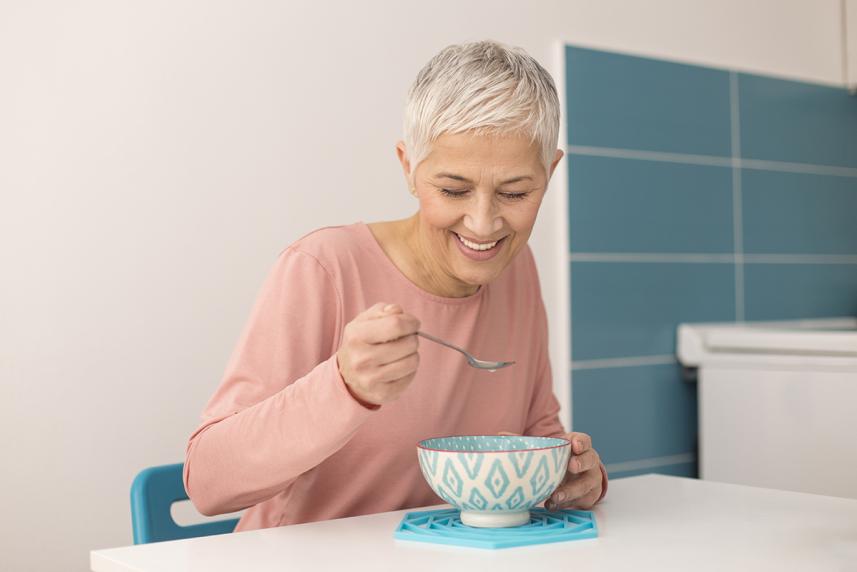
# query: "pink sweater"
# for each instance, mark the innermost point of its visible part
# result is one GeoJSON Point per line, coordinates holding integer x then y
{"type": "Point", "coordinates": [283, 436]}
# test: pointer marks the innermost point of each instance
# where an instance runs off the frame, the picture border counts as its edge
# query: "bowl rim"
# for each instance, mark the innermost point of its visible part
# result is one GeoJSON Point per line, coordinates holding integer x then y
{"type": "Point", "coordinates": [565, 443]}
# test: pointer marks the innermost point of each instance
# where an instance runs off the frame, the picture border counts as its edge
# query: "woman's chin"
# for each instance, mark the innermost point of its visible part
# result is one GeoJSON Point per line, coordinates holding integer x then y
{"type": "Point", "coordinates": [476, 278]}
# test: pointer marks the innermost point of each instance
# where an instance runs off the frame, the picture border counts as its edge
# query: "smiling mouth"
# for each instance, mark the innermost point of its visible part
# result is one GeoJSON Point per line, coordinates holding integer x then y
{"type": "Point", "coordinates": [477, 246]}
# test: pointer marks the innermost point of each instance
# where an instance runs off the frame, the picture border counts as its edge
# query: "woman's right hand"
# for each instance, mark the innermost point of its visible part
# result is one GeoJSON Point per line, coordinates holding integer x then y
{"type": "Point", "coordinates": [378, 357]}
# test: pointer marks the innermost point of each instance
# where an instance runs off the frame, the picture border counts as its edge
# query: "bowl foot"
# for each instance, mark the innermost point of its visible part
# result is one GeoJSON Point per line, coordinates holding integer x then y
{"type": "Point", "coordinates": [491, 519]}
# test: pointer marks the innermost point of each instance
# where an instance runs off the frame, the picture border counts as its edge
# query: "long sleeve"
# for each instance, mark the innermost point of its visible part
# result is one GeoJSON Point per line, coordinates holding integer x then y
{"type": "Point", "coordinates": [282, 407]}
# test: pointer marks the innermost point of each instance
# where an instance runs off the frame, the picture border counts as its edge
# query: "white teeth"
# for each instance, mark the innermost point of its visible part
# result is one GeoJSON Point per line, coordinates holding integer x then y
{"type": "Point", "coordinates": [474, 246]}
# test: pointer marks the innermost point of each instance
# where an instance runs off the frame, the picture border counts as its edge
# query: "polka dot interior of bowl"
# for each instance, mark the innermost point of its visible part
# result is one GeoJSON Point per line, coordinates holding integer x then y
{"type": "Point", "coordinates": [490, 443]}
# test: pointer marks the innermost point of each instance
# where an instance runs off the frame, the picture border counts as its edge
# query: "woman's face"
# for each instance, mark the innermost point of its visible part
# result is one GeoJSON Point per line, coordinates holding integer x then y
{"type": "Point", "coordinates": [479, 197]}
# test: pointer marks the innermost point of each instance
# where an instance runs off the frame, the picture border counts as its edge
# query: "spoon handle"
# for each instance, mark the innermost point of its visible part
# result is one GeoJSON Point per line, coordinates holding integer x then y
{"type": "Point", "coordinates": [442, 342]}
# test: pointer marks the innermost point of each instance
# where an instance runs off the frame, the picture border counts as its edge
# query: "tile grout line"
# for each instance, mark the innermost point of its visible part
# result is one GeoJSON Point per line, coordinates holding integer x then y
{"type": "Point", "coordinates": [800, 258]}
{"type": "Point", "coordinates": [737, 198]}
{"type": "Point", "coordinates": [632, 361]}
{"type": "Point", "coordinates": [675, 257]}
{"type": "Point", "coordinates": [805, 168]}
{"type": "Point", "coordinates": [701, 257]}
{"type": "Point", "coordinates": [662, 156]}
{"type": "Point", "coordinates": [711, 160]}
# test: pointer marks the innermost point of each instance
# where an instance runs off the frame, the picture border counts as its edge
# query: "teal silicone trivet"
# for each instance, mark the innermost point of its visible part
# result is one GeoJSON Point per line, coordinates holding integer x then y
{"type": "Point", "coordinates": [444, 527]}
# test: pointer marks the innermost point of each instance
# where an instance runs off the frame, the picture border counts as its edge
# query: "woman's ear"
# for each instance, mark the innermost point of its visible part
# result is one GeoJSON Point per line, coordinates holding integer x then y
{"type": "Point", "coordinates": [402, 154]}
{"type": "Point", "coordinates": [556, 160]}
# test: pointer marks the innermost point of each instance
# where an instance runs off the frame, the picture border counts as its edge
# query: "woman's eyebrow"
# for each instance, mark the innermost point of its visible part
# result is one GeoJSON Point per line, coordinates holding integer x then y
{"type": "Point", "coordinates": [516, 180]}
{"type": "Point", "coordinates": [466, 180]}
{"type": "Point", "coordinates": [453, 177]}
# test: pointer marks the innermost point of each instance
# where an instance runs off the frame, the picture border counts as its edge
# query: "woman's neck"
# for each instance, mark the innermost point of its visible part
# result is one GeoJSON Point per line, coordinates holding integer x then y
{"type": "Point", "coordinates": [406, 246]}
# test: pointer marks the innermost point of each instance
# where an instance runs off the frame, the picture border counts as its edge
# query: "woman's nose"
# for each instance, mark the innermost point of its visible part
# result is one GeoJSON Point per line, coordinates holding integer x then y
{"type": "Point", "coordinates": [483, 219]}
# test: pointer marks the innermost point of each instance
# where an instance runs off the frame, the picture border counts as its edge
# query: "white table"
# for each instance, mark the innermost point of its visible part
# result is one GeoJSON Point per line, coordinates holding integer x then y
{"type": "Point", "coordinates": [652, 522]}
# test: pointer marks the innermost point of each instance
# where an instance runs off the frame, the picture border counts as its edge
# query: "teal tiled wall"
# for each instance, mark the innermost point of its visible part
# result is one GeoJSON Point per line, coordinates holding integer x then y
{"type": "Point", "coordinates": [695, 194]}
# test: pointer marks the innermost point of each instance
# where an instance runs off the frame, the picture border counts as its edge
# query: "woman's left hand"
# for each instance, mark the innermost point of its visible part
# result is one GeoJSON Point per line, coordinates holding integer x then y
{"type": "Point", "coordinates": [581, 488]}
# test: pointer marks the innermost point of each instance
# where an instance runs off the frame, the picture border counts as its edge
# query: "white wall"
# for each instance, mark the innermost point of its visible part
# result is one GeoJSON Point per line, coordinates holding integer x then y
{"type": "Point", "coordinates": [849, 20]}
{"type": "Point", "coordinates": [156, 156]}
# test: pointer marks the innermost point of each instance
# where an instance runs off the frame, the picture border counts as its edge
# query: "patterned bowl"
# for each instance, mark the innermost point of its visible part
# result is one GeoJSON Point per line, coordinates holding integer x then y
{"type": "Point", "coordinates": [494, 480]}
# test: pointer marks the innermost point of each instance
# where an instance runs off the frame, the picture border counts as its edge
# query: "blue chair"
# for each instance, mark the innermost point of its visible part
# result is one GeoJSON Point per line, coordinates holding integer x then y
{"type": "Point", "coordinates": [153, 492]}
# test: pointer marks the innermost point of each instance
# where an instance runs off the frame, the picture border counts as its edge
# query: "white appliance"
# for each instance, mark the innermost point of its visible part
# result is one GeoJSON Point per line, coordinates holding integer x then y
{"type": "Point", "coordinates": [777, 403]}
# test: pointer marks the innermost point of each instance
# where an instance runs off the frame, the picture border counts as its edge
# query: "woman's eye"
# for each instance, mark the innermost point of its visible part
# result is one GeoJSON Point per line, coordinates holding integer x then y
{"type": "Point", "coordinates": [513, 196]}
{"type": "Point", "coordinates": [453, 192]}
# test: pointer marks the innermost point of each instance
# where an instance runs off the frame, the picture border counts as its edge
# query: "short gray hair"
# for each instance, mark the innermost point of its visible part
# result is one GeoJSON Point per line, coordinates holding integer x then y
{"type": "Point", "coordinates": [482, 87]}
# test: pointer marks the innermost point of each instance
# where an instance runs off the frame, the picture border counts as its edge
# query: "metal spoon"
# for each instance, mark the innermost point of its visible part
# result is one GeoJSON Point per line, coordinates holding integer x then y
{"type": "Point", "coordinates": [472, 361]}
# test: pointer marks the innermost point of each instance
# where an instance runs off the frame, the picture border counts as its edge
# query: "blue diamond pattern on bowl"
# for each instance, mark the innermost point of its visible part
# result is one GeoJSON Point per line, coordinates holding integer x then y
{"type": "Point", "coordinates": [540, 477]}
{"type": "Point", "coordinates": [428, 460]}
{"type": "Point", "coordinates": [471, 462]}
{"type": "Point", "coordinates": [521, 461]}
{"type": "Point", "coordinates": [558, 458]}
{"type": "Point", "coordinates": [517, 498]}
{"type": "Point", "coordinates": [451, 478]}
{"type": "Point", "coordinates": [477, 501]}
{"type": "Point", "coordinates": [497, 480]}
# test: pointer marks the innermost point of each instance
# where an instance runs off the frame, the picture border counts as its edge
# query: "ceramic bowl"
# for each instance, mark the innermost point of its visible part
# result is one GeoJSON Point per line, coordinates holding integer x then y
{"type": "Point", "coordinates": [494, 480]}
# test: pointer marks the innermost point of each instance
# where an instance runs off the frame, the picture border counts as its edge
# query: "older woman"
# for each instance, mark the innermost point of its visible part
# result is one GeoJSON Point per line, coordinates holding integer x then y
{"type": "Point", "coordinates": [329, 390]}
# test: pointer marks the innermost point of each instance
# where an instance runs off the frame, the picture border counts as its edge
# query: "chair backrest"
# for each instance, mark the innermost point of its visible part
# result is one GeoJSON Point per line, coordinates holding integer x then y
{"type": "Point", "coordinates": [153, 492]}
